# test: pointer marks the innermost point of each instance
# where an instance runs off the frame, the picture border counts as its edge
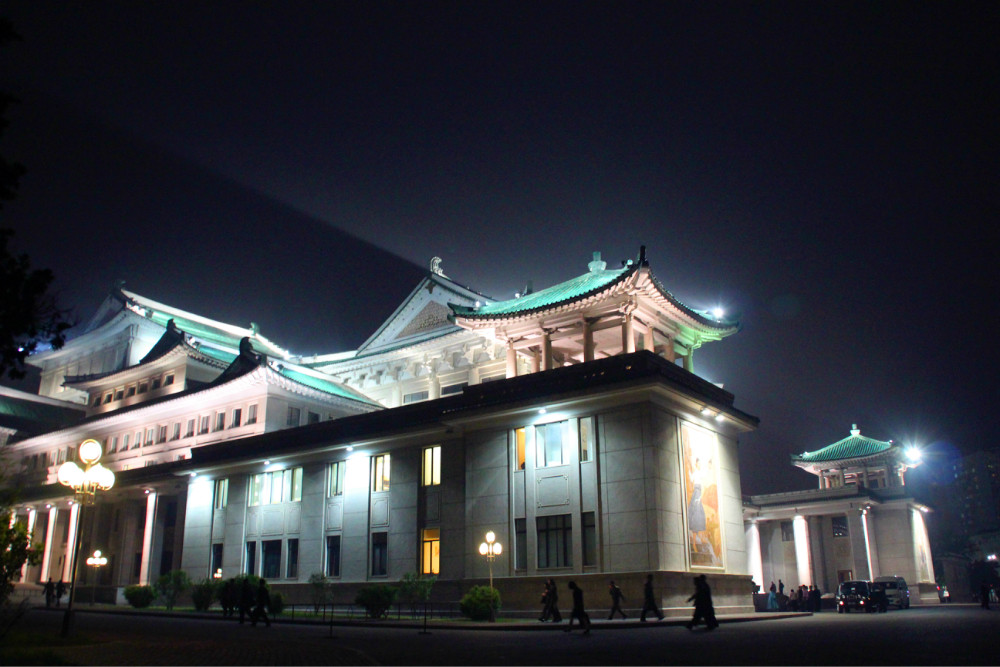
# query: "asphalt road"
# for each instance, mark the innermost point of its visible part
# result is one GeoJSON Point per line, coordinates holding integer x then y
{"type": "Point", "coordinates": [934, 635]}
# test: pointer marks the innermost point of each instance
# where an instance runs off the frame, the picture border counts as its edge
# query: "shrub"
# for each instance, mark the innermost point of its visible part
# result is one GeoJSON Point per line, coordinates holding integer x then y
{"type": "Point", "coordinates": [477, 602]}
{"type": "Point", "coordinates": [376, 599]}
{"type": "Point", "coordinates": [171, 585]}
{"type": "Point", "coordinates": [320, 590]}
{"type": "Point", "coordinates": [203, 594]}
{"type": "Point", "coordinates": [140, 596]}
{"type": "Point", "coordinates": [277, 604]}
{"type": "Point", "coordinates": [415, 589]}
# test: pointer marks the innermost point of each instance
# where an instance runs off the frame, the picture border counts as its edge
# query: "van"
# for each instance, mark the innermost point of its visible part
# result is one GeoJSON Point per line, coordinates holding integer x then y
{"type": "Point", "coordinates": [896, 591]}
{"type": "Point", "coordinates": [854, 595]}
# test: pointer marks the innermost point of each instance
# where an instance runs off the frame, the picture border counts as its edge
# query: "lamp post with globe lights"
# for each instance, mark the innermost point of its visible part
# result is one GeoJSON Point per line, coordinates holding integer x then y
{"type": "Point", "coordinates": [97, 561]}
{"type": "Point", "coordinates": [85, 482]}
{"type": "Point", "coordinates": [491, 549]}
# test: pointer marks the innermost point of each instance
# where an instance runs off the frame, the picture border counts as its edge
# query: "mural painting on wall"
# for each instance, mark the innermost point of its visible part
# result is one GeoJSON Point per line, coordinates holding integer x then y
{"type": "Point", "coordinates": [700, 451]}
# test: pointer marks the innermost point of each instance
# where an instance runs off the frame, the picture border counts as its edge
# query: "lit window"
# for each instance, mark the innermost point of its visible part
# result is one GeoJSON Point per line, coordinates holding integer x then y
{"type": "Point", "coordinates": [381, 476]}
{"type": "Point", "coordinates": [149, 436]}
{"type": "Point", "coordinates": [586, 439]}
{"type": "Point", "coordinates": [519, 436]}
{"type": "Point", "coordinates": [271, 488]}
{"type": "Point", "coordinates": [252, 414]}
{"type": "Point", "coordinates": [555, 541]}
{"type": "Point", "coordinates": [221, 493]}
{"type": "Point", "coordinates": [335, 479]}
{"type": "Point", "coordinates": [839, 524]}
{"type": "Point", "coordinates": [220, 421]}
{"type": "Point", "coordinates": [380, 554]}
{"type": "Point", "coordinates": [203, 426]}
{"type": "Point", "coordinates": [415, 397]}
{"type": "Point", "coordinates": [432, 466]}
{"type": "Point", "coordinates": [237, 415]}
{"type": "Point", "coordinates": [431, 552]}
{"type": "Point", "coordinates": [333, 555]}
{"type": "Point", "coordinates": [190, 429]}
{"type": "Point", "coordinates": [549, 450]}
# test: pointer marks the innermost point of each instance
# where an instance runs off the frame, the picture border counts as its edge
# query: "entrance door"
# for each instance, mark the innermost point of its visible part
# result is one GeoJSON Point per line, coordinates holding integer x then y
{"type": "Point", "coordinates": [844, 575]}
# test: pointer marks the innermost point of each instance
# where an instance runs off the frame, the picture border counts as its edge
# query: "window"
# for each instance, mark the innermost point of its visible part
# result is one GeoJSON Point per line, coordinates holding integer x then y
{"type": "Point", "coordinates": [203, 426]}
{"type": "Point", "coordinates": [292, 562]}
{"type": "Point", "coordinates": [380, 554]}
{"type": "Point", "coordinates": [220, 421]}
{"type": "Point", "coordinates": [190, 429]}
{"type": "Point", "coordinates": [138, 440]}
{"type": "Point", "coordinates": [107, 397]}
{"type": "Point", "coordinates": [335, 479]}
{"type": "Point", "coordinates": [176, 433]}
{"type": "Point", "coordinates": [431, 553]}
{"type": "Point", "coordinates": [549, 444]}
{"type": "Point", "coordinates": [380, 481]}
{"type": "Point", "coordinates": [839, 524]}
{"type": "Point", "coordinates": [251, 558]}
{"type": "Point", "coordinates": [252, 414]}
{"type": "Point", "coordinates": [312, 418]}
{"type": "Point", "coordinates": [221, 494]}
{"type": "Point", "coordinates": [294, 414]}
{"type": "Point", "coordinates": [97, 399]}
{"type": "Point", "coordinates": [143, 386]}
{"type": "Point", "coordinates": [237, 416]}
{"type": "Point", "coordinates": [149, 436]}
{"type": "Point", "coordinates": [271, 488]}
{"type": "Point", "coordinates": [169, 380]}
{"type": "Point", "coordinates": [453, 388]}
{"type": "Point", "coordinates": [415, 397]}
{"type": "Point", "coordinates": [555, 541]}
{"type": "Point", "coordinates": [216, 558]}
{"type": "Point", "coordinates": [519, 449]}
{"type": "Point", "coordinates": [787, 534]}
{"type": "Point", "coordinates": [119, 394]}
{"type": "Point", "coordinates": [161, 433]}
{"type": "Point", "coordinates": [113, 444]}
{"type": "Point", "coordinates": [270, 559]}
{"type": "Point", "coordinates": [125, 442]}
{"type": "Point", "coordinates": [520, 544]}
{"type": "Point", "coordinates": [333, 555]}
{"type": "Point", "coordinates": [432, 466]}
{"type": "Point", "coordinates": [156, 383]}
{"type": "Point", "coordinates": [130, 391]}
{"type": "Point", "coordinates": [589, 527]}
{"type": "Point", "coordinates": [586, 439]}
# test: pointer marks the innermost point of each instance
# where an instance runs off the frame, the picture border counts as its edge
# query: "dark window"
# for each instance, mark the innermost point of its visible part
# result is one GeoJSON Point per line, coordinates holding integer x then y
{"type": "Point", "coordinates": [190, 429]}
{"type": "Point", "coordinates": [203, 426]}
{"type": "Point", "coordinates": [271, 559]}
{"type": "Point", "coordinates": [520, 544]}
{"type": "Point", "coordinates": [333, 555]}
{"type": "Point", "coordinates": [252, 414]}
{"type": "Point", "coordinates": [143, 387]}
{"type": "Point", "coordinates": [156, 383]}
{"type": "Point", "coordinates": [312, 418]}
{"type": "Point", "coordinates": [119, 394]}
{"type": "Point", "coordinates": [161, 433]}
{"type": "Point", "coordinates": [170, 515]}
{"type": "Point", "coordinates": [787, 533]}
{"type": "Point", "coordinates": [168, 380]}
{"type": "Point", "coordinates": [130, 391]}
{"type": "Point", "coordinates": [293, 417]}
{"type": "Point", "coordinates": [555, 541]}
{"type": "Point", "coordinates": [839, 524]}
{"type": "Point", "coordinates": [216, 559]}
{"type": "Point", "coordinates": [454, 388]}
{"type": "Point", "coordinates": [108, 397]}
{"type": "Point", "coordinates": [415, 397]}
{"type": "Point", "coordinates": [380, 554]}
{"type": "Point", "coordinates": [237, 415]}
{"type": "Point", "coordinates": [292, 564]}
{"type": "Point", "coordinates": [220, 421]}
{"type": "Point", "coordinates": [589, 538]}
{"type": "Point", "coordinates": [251, 558]}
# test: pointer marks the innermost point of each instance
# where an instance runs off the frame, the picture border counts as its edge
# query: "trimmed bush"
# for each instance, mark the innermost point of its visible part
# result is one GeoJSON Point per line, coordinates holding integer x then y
{"type": "Point", "coordinates": [203, 594]}
{"type": "Point", "coordinates": [277, 604]}
{"type": "Point", "coordinates": [477, 602]}
{"type": "Point", "coordinates": [377, 599]}
{"type": "Point", "coordinates": [140, 596]}
{"type": "Point", "coordinates": [171, 585]}
{"type": "Point", "coordinates": [320, 590]}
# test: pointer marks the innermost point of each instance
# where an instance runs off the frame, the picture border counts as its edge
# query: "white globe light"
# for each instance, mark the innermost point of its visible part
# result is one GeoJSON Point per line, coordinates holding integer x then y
{"type": "Point", "coordinates": [497, 549]}
{"type": "Point", "coordinates": [70, 474]}
{"type": "Point", "coordinates": [484, 549]}
{"type": "Point", "coordinates": [90, 451]}
{"type": "Point", "coordinates": [490, 536]}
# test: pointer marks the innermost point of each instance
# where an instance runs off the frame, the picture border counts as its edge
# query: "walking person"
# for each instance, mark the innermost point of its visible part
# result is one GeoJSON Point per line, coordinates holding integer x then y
{"type": "Point", "coordinates": [772, 598]}
{"type": "Point", "coordinates": [263, 602]}
{"type": "Point", "coordinates": [578, 612]}
{"type": "Point", "coordinates": [50, 592]}
{"type": "Point", "coordinates": [649, 601]}
{"type": "Point", "coordinates": [616, 600]}
{"type": "Point", "coordinates": [703, 608]}
{"type": "Point", "coordinates": [60, 591]}
{"type": "Point", "coordinates": [246, 598]}
{"type": "Point", "coordinates": [551, 609]}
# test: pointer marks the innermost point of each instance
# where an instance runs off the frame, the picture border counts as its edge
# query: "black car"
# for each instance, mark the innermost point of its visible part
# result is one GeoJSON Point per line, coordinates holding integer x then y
{"type": "Point", "coordinates": [854, 595]}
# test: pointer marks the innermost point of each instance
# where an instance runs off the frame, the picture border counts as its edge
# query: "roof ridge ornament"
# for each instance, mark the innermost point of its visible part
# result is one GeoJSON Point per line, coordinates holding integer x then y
{"type": "Point", "coordinates": [597, 264]}
{"type": "Point", "coordinates": [855, 430]}
{"type": "Point", "coordinates": [435, 267]}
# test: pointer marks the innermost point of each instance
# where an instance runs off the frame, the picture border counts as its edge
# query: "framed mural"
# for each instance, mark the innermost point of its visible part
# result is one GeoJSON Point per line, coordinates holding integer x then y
{"type": "Point", "coordinates": [700, 462]}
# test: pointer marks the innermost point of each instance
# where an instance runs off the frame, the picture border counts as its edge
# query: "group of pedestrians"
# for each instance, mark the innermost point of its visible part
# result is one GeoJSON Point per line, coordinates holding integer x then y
{"type": "Point", "coordinates": [53, 592]}
{"type": "Point", "coordinates": [803, 598]}
{"type": "Point", "coordinates": [254, 605]}
{"type": "Point", "coordinates": [704, 611]}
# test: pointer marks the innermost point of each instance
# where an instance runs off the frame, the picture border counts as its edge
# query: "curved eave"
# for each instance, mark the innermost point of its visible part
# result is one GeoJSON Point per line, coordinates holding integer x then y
{"type": "Point", "coordinates": [833, 464]}
{"type": "Point", "coordinates": [181, 350]}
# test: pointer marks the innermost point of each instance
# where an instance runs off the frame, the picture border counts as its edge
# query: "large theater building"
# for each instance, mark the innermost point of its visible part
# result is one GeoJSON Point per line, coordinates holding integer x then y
{"type": "Point", "coordinates": [568, 421]}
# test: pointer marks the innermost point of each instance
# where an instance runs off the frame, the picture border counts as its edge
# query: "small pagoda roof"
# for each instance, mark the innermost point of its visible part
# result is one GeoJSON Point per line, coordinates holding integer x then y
{"type": "Point", "coordinates": [854, 446]}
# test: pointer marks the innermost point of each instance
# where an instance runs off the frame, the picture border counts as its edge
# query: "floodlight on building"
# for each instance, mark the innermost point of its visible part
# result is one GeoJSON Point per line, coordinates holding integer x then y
{"type": "Point", "coordinates": [913, 454]}
{"type": "Point", "coordinates": [706, 411]}
{"type": "Point", "coordinates": [719, 417]}
{"type": "Point", "coordinates": [718, 313]}
{"type": "Point", "coordinates": [542, 411]}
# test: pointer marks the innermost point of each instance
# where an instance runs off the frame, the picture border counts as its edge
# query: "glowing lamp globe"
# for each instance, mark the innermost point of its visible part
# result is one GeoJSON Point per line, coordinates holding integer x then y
{"type": "Point", "coordinates": [70, 474]}
{"type": "Point", "coordinates": [90, 451]}
{"type": "Point", "coordinates": [483, 549]}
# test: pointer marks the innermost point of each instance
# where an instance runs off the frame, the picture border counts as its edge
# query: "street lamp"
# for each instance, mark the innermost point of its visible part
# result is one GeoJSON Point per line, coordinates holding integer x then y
{"type": "Point", "coordinates": [96, 561]}
{"type": "Point", "coordinates": [491, 549]}
{"type": "Point", "coordinates": [85, 482]}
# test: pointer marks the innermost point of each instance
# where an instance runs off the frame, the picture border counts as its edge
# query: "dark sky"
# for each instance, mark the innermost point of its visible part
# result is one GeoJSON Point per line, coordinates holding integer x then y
{"type": "Point", "coordinates": [828, 170]}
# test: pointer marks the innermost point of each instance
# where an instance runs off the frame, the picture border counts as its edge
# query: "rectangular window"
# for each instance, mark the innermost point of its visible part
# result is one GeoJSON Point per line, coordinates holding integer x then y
{"type": "Point", "coordinates": [787, 534]}
{"type": "Point", "coordinates": [271, 488]}
{"type": "Point", "coordinates": [257, 492]}
{"type": "Point", "coordinates": [312, 418]}
{"type": "Point", "coordinates": [251, 558]}
{"type": "Point", "coordinates": [333, 555]}
{"type": "Point", "coordinates": [119, 394]}
{"type": "Point", "coordinates": [161, 433]}
{"type": "Point", "coordinates": [216, 559]}
{"type": "Point", "coordinates": [169, 380]}
{"type": "Point", "coordinates": [415, 397]}
{"type": "Point", "coordinates": [149, 436]}
{"type": "Point", "coordinates": [335, 479]}
{"type": "Point", "coordinates": [270, 559]}
{"type": "Point", "coordinates": [237, 415]}
{"type": "Point", "coordinates": [549, 449]}
{"type": "Point", "coordinates": [203, 426]}
{"type": "Point", "coordinates": [432, 466]}
{"type": "Point", "coordinates": [520, 544]}
{"type": "Point", "coordinates": [295, 489]}
{"type": "Point", "coordinates": [130, 391]}
{"type": "Point", "coordinates": [380, 554]}
{"type": "Point", "coordinates": [454, 388]}
{"type": "Point", "coordinates": [586, 439]}
{"type": "Point", "coordinates": [176, 435]}
{"type": "Point", "coordinates": [97, 400]}
{"type": "Point", "coordinates": [220, 421]}
{"type": "Point", "coordinates": [380, 479]}
{"type": "Point", "coordinates": [252, 414]}
{"type": "Point", "coordinates": [589, 527]}
{"type": "Point", "coordinates": [555, 541]}
{"type": "Point", "coordinates": [143, 386]}
{"type": "Point", "coordinates": [294, 415]}
{"type": "Point", "coordinates": [113, 447]}
{"type": "Point", "coordinates": [156, 383]}
{"type": "Point", "coordinates": [519, 436]}
{"type": "Point", "coordinates": [108, 396]}
{"type": "Point", "coordinates": [125, 442]}
{"type": "Point", "coordinates": [221, 493]}
{"type": "Point", "coordinates": [189, 431]}
{"type": "Point", "coordinates": [138, 440]}
{"type": "Point", "coordinates": [292, 561]}
{"type": "Point", "coordinates": [431, 553]}
{"type": "Point", "coordinates": [839, 526]}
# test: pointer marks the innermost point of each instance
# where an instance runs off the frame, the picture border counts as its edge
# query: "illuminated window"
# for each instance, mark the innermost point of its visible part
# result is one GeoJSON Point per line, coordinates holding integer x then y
{"type": "Point", "coordinates": [333, 555]}
{"type": "Point", "coordinates": [519, 436]}
{"type": "Point", "coordinates": [555, 541]}
{"type": "Point", "coordinates": [252, 414]}
{"type": "Point", "coordinates": [549, 450]}
{"type": "Point", "coordinates": [432, 466]}
{"type": "Point", "coordinates": [190, 429]}
{"type": "Point", "coordinates": [431, 558]}
{"type": "Point", "coordinates": [237, 415]}
{"type": "Point", "coordinates": [380, 554]}
{"type": "Point", "coordinates": [292, 560]}
{"type": "Point", "coordinates": [294, 415]}
{"type": "Point", "coordinates": [586, 439]}
{"type": "Point", "coordinates": [271, 488]}
{"type": "Point", "coordinates": [176, 435]}
{"type": "Point", "coordinates": [221, 493]}
{"type": "Point", "coordinates": [149, 436]}
{"type": "Point", "coordinates": [589, 527]}
{"type": "Point", "coordinates": [415, 397]}
{"type": "Point", "coordinates": [335, 479]}
{"type": "Point", "coordinates": [203, 426]}
{"type": "Point", "coordinates": [220, 421]}
{"type": "Point", "coordinates": [380, 481]}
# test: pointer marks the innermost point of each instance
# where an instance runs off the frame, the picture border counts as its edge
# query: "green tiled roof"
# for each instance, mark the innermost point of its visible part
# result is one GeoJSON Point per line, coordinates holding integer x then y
{"type": "Point", "coordinates": [195, 329]}
{"type": "Point", "coordinates": [590, 282]}
{"type": "Point", "coordinates": [214, 353]}
{"type": "Point", "coordinates": [852, 447]}
{"type": "Point", "coordinates": [328, 386]}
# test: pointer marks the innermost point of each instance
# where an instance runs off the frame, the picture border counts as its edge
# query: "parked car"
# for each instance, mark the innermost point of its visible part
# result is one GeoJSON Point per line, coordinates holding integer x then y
{"type": "Point", "coordinates": [896, 590]}
{"type": "Point", "coordinates": [856, 595]}
{"type": "Point", "coordinates": [879, 599]}
{"type": "Point", "coordinates": [943, 595]}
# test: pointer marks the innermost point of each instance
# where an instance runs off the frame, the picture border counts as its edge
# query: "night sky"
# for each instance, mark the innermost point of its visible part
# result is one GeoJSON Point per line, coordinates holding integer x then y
{"type": "Point", "coordinates": [826, 170]}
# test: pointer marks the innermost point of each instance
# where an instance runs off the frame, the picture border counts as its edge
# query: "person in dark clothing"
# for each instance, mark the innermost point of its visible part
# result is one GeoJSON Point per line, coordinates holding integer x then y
{"type": "Point", "coordinates": [703, 608]}
{"type": "Point", "coordinates": [984, 595]}
{"type": "Point", "coordinates": [246, 598]}
{"type": "Point", "coordinates": [50, 592]}
{"type": "Point", "coordinates": [263, 602]}
{"type": "Point", "coordinates": [578, 612]}
{"type": "Point", "coordinates": [60, 591]}
{"type": "Point", "coordinates": [815, 599]}
{"type": "Point", "coordinates": [616, 600]}
{"type": "Point", "coordinates": [649, 601]}
{"type": "Point", "coordinates": [551, 597]}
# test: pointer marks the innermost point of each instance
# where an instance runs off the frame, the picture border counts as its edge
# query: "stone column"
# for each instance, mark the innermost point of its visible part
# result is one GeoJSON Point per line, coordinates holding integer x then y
{"type": "Point", "coordinates": [511, 360]}
{"type": "Point", "coordinates": [628, 335]}
{"type": "Point", "coordinates": [647, 340]}
{"type": "Point", "coordinates": [50, 531]}
{"type": "Point", "coordinates": [546, 351]}
{"type": "Point", "coordinates": [71, 530]}
{"type": "Point", "coordinates": [689, 360]}
{"type": "Point", "coordinates": [536, 363]}
{"type": "Point", "coordinates": [803, 564]}
{"type": "Point", "coordinates": [588, 341]}
{"type": "Point", "coordinates": [147, 539]}
{"type": "Point", "coordinates": [31, 530]}
{"type": "Point", "coordinates": [816, 540]}
{"type": "Point", "coordinates": [433, 386]}
{"type": "Point", "coordinates": [755, 563]}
